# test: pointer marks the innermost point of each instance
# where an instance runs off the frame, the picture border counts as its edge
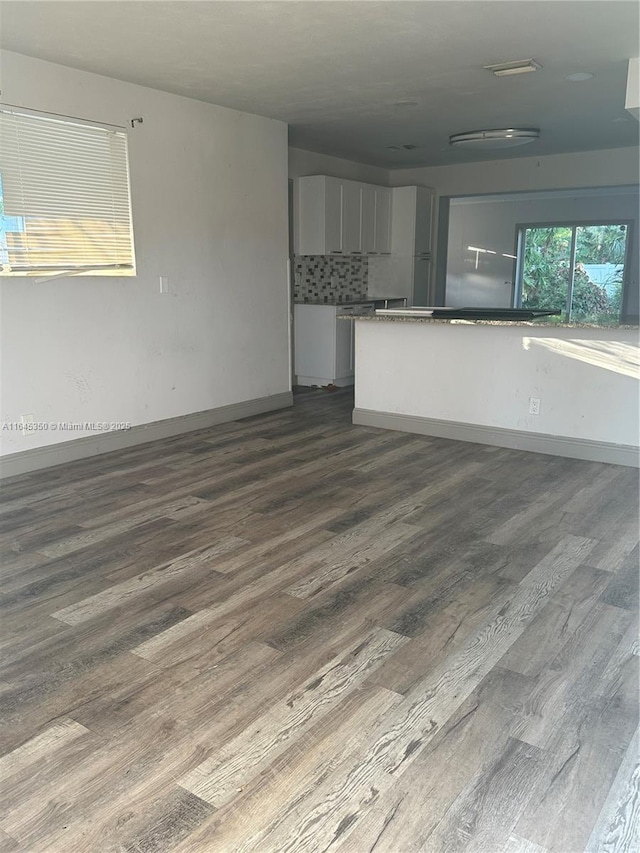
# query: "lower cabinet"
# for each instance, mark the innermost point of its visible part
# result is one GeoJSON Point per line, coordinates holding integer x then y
{"type": "Point", "coordinates": [323, 345]}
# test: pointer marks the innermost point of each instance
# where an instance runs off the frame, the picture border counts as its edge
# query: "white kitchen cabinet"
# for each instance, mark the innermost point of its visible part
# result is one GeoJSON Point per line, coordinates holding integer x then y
{"type": "Point", "coordinates": [368, 209]}
{"type": "Point", "coordinates": [382, 242]}
{"type": "Point", "coordinates": [324, 344]}
{"type": "Point", "coordinates": [411, 220]}
{"type": "Point", "coordinates": [375, 219]}
{"type": "Point", "coordinates": [421, 281]}
{"type": "Point", "coordinates": [424, 220]}
{"type": "Point", "coordinates": [344, 350]}
{"type": "Point", "coordinates": [319, 346]}
{"type": "Point", "coordinates": [317, 226]}
{"type": "Point", "coordinates": [411, 229]}
{"type": "Point", "coordinates": [335, 216]}
{"type": "Point", "coordinates": [351, 216]}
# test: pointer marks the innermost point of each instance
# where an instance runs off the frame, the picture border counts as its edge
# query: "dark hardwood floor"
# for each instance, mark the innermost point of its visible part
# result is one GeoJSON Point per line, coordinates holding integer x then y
{"type": "Point", "coordinates": [292, 635]}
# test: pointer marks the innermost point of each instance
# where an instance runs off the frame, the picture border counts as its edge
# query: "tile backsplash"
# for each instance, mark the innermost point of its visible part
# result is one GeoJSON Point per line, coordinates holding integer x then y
{"type": "Point", "coordinates": [329, 278]}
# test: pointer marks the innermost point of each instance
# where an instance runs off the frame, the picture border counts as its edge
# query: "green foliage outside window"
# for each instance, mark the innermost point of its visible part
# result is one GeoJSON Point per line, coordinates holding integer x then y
{"type": "Point", "coordinates": [547, 266]}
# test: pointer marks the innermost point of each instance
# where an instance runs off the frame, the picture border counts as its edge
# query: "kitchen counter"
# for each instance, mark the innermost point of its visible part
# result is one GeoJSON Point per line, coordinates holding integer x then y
{"type": "Point", "coordinates": [561, 389]}
{"type": "Point", "coordinates": [414, 316]}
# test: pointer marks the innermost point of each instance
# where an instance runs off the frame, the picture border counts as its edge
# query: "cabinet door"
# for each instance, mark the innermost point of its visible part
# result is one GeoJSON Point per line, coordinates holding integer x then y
{"type": "Point", "coordinates": [333, 211]}
{"type": "Point", "coordinates": [382, 220]}
{"type": "Point", "coordinates": [424, 205]}
{"type": "Point", "coordinates": [309, 215]}
{"type": "Point", "coordinates": [351, 203]}
{"type": "Point", "coordinates": [344, 348]}
{"type": "Point", "coordinates": [314, 343]}
{"type": "Point", "coordinates": [368, 218]}
{"type": "Point", "coordinates": [421, 281]}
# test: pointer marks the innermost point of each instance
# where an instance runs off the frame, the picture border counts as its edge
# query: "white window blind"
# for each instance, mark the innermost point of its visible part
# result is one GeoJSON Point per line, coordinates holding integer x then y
{"type": "Point", "coordinates": [65, 196]}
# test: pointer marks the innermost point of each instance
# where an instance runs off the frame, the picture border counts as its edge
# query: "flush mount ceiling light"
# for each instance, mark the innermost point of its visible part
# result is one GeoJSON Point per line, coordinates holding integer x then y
{"type": "Point", "coordinates": [508, 137]}
{"type": "Point", "coordinates": [519, 66]}
{"type": "Point", "coordinates": [579, 76]}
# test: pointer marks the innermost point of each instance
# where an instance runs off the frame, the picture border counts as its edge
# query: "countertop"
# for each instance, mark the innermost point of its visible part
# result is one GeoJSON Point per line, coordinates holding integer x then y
{"type": "Point", "coordinates": [532, 324]}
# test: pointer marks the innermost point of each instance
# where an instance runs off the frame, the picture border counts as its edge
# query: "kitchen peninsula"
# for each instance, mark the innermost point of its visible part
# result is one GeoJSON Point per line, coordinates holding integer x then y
{"type": "Point", "coordinates": [562, 389]}
{"type": "Point", "coordinates": [324, 349]}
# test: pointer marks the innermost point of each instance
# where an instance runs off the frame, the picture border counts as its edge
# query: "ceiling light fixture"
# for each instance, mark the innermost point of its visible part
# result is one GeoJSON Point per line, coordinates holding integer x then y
{"type": "Point", "coordinates": [519, 66]}
{"type": "Point", "coordinates": [579, 76]}
{"type": "Point", "coordinates": [508, 137]}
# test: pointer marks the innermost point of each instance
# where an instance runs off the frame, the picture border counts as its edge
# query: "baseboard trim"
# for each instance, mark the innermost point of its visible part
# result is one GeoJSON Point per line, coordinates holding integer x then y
{"type": "Point", "coordinates": [26, 461]}
{"type": "Point", "coordinates": [555, 445]}
{"type": "Point", "coordinates": [320, 381]}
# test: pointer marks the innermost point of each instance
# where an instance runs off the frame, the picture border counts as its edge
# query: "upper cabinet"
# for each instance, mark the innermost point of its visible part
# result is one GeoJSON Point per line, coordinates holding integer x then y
{"type": "Point", "coordinates": [335, 216]}
{"type": "Point", "coordinates": [383, 220]}
{"type": "Point", "coordinates": [368, 217]}
{"type": "Point", "coordinates": [317, 226]}
{"type": "Point", "coordinates": [412, 221]}
{"type": "Point", "coordinates": [351, 214]}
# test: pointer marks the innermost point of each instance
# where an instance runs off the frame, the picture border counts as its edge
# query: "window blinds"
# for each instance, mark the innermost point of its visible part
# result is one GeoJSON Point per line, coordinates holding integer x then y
{"type": "Point", "coordinates": [65, 189]}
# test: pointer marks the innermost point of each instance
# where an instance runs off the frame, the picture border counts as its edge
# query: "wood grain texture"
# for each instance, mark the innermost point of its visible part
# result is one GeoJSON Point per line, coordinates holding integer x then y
{"type": "Point", "coordinates": [521, 845]}
{"type": "Point", "coordinates": [288, 633]}
{"type": "Point", "coordinates": [618, 825]}
{"type": "Point", "coordinates": [219, 779]}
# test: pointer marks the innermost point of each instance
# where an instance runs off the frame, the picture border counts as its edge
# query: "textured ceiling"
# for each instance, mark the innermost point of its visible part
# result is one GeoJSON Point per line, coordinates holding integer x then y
{"type": "Point", "coordinates": [352, 78]}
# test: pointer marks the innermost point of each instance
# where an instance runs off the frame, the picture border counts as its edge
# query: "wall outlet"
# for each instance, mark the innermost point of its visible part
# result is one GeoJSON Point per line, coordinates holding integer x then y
{"type": "Point", "coordinates": [25, 420]}
{"type": "Point", "coordinates": [164, 284]}
{"type": "Point", "coordinates": [534, 405]}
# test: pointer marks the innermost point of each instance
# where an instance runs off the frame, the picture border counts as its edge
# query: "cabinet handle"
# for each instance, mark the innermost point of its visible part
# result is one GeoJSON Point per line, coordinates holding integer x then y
{"type": "Point", "coordinates": [335, 252]}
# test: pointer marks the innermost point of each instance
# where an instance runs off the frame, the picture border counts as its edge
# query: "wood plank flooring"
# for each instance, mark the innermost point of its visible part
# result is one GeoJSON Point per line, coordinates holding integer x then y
{"type": "Point", "coordinates": [292, 635]}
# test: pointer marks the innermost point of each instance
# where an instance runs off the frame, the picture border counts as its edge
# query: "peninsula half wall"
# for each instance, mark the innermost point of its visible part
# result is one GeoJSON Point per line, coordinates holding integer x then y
{"type": "Point", "coordinates": [475, 381]}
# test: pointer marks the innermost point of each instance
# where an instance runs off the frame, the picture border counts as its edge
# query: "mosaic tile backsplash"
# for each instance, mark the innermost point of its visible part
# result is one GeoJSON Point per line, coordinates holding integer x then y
{"type": "Point", "coordinates": [327, 278]}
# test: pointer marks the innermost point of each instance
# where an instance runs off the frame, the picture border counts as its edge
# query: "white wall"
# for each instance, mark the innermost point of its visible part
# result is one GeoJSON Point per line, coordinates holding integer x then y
{"type": "Point", "coordinates": [209, 198]}
{"type": "Point", "coordinates": [492, 224]}
{"type": "Point", "coordinates": [612, 167]}
{"type": "Point", "coordinates": [303, 163]}
{"type": "Point", "coordinates": [586, 379]}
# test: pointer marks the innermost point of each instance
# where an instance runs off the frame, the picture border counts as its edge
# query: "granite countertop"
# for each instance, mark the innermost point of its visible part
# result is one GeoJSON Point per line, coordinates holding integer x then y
{"type": "Point", "coordinates": [530, 324]}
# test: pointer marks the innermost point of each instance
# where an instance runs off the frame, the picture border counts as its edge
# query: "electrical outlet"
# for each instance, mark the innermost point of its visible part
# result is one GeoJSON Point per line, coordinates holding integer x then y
{"type": "Point", "coordinates": [164, 284]}
{"type": "Point", "coordinates": [26, 420]}
{"type": "Point", "coordinates": [534, 405]}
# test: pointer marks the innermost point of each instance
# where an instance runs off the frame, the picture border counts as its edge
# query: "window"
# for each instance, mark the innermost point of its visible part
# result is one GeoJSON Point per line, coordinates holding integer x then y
{"type": "Point", "coordinates": [579, 269]}
{"type": "Point", "coordinates": [64, 196]}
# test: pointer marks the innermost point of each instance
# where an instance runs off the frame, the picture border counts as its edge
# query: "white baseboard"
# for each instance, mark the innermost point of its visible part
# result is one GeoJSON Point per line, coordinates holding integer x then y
{"type": "Point", "coordinates": [555, 445]}
{"type": "Point", "coordinates": [93, 445]}
{"type": "Point", "coordinates": [322, 381]}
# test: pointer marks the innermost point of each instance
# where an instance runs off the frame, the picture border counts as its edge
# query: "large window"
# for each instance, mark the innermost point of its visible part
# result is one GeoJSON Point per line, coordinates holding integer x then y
{"type": "Point", "coordinates": [579, 269]}
{"type": "Point", "coordinates": [64, 196]}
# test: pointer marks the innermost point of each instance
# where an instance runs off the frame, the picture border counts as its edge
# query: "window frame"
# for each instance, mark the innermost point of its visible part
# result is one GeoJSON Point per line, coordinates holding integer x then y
{"type": "Point", "coordinates": [122, 214]}
{"type": "Point", "coordinates": [521, 227]}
